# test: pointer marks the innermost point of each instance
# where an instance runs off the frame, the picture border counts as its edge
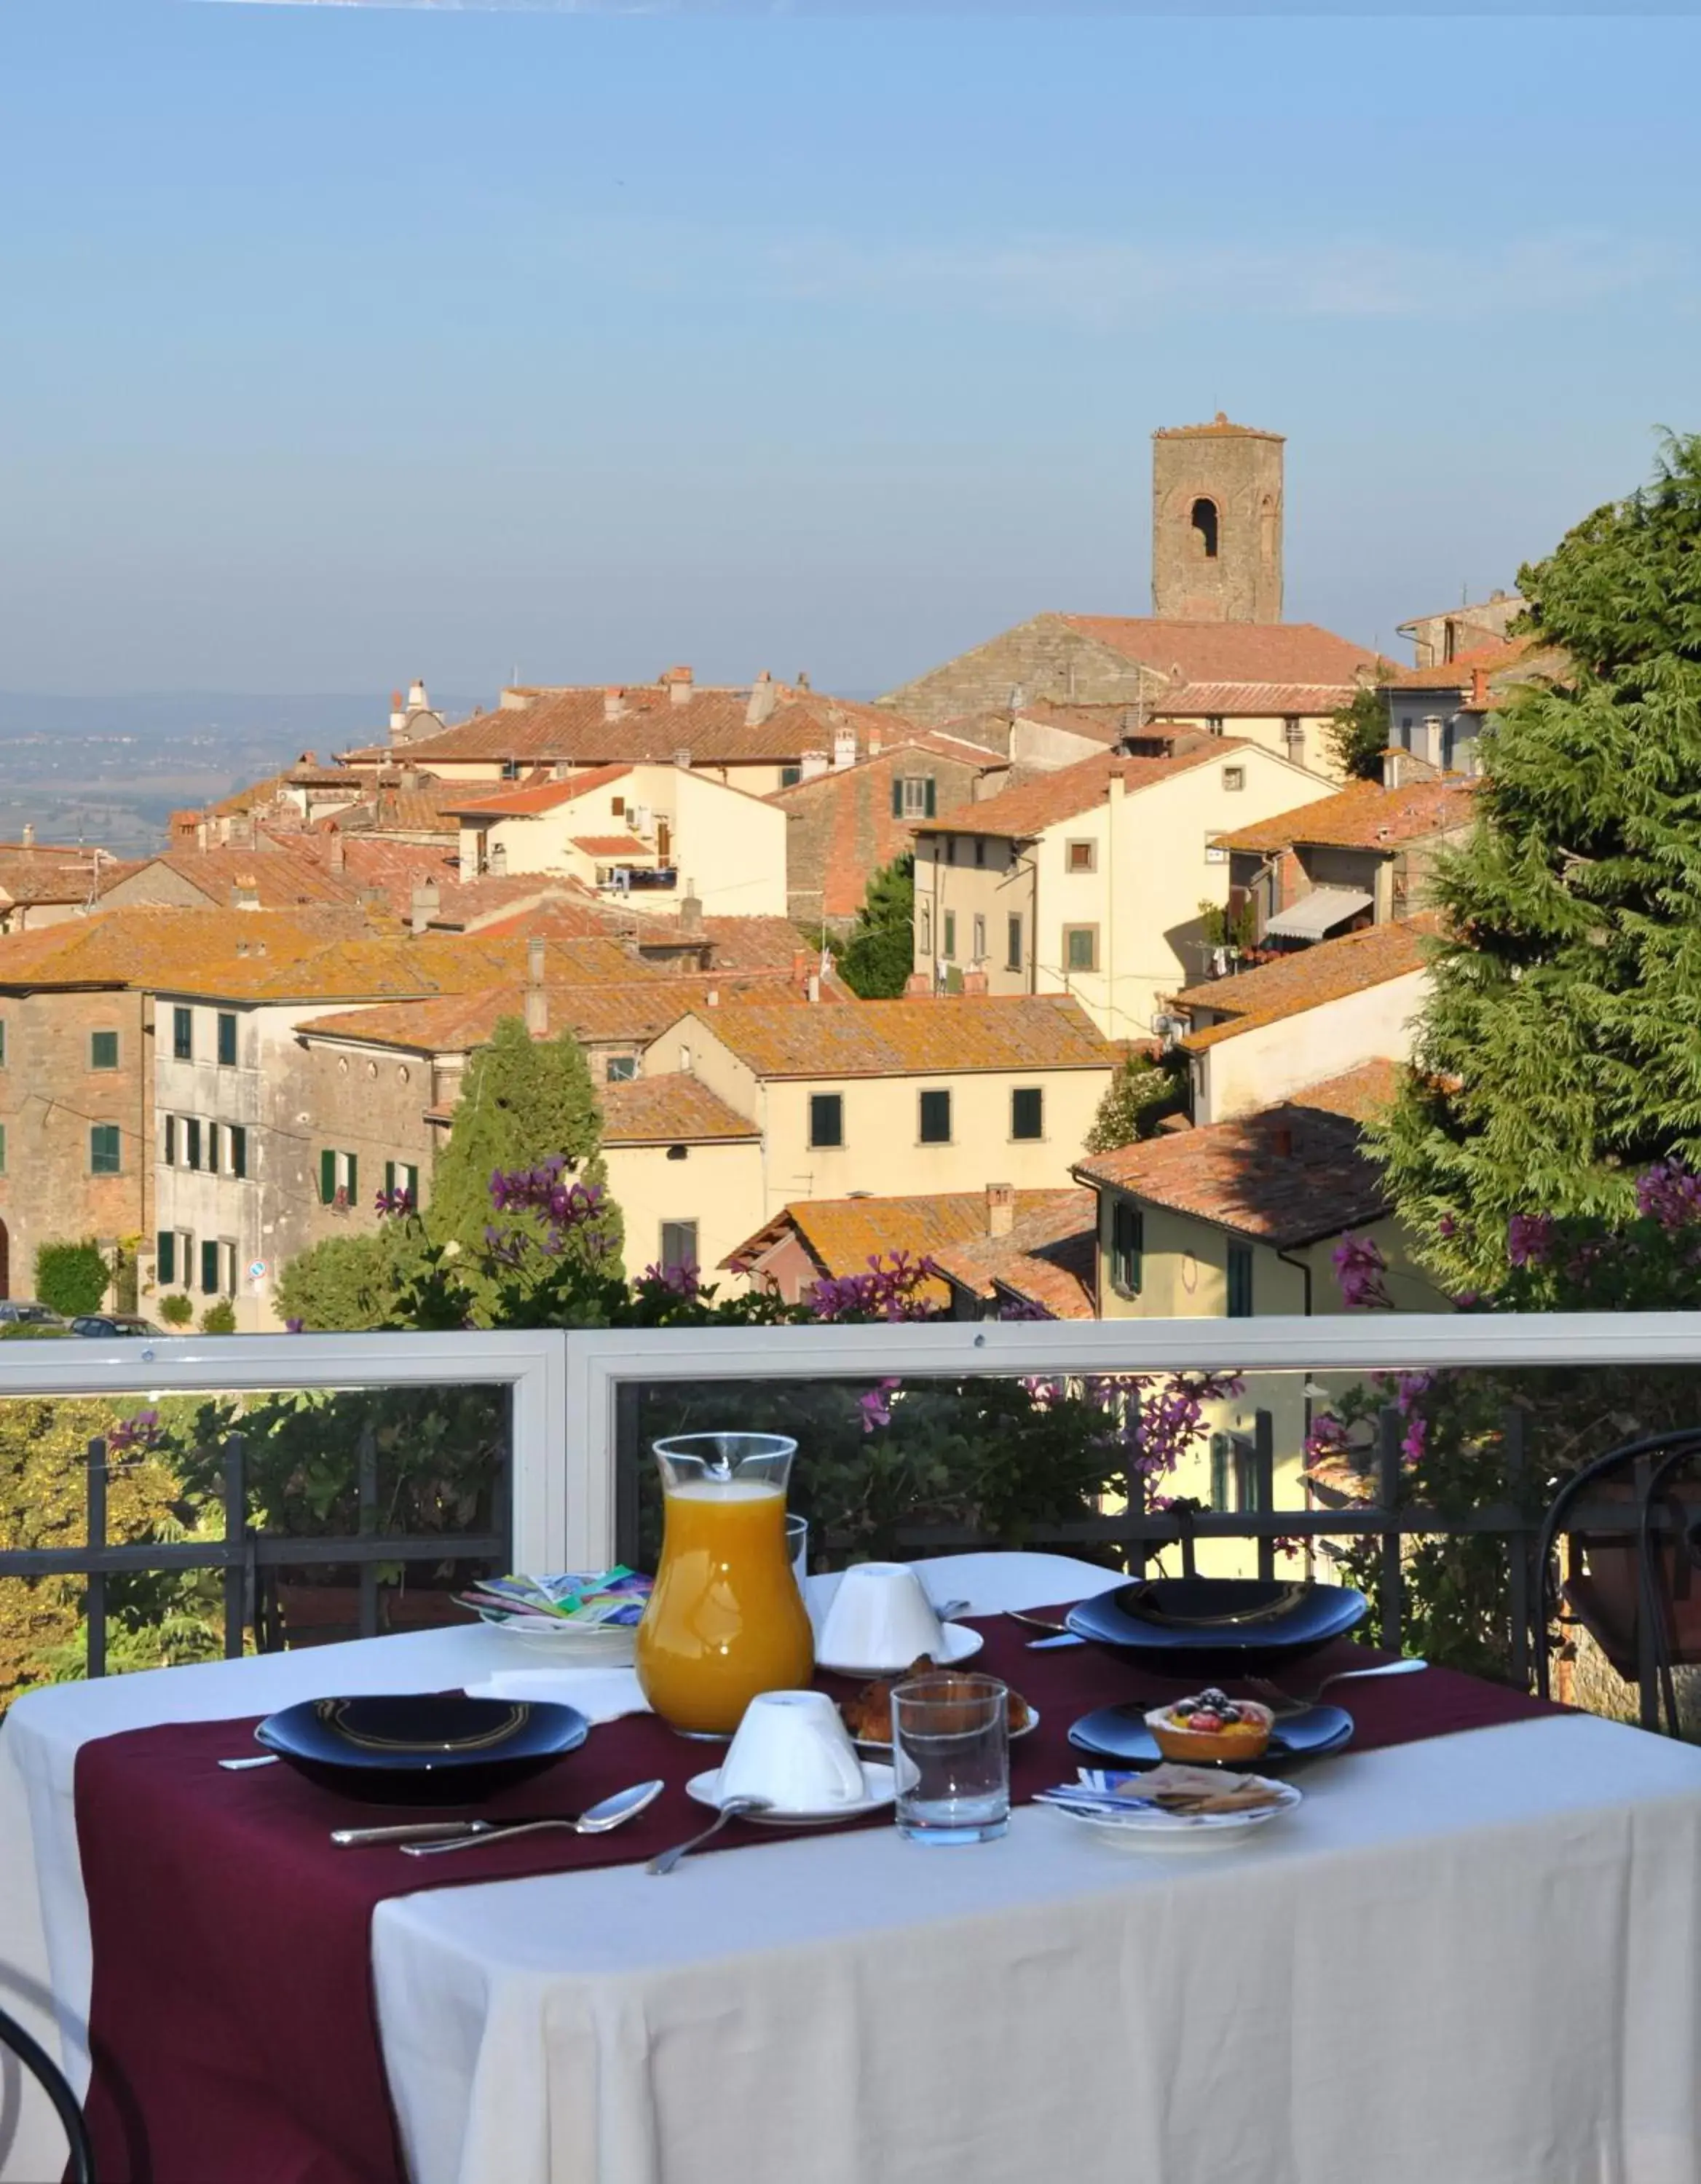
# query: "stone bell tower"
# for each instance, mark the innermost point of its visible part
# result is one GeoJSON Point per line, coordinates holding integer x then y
{"type": "Point", "coordinates": [1216, 523]}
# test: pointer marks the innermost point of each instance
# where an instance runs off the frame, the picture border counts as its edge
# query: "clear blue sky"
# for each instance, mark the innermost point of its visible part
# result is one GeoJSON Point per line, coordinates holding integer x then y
{"type": "Point", "coordinates": [342, 344]}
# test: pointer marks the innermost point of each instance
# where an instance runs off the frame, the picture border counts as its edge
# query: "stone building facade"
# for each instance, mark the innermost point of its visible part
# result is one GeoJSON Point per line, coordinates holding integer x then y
{"type": "Point", "coordinates": [1216, 523]}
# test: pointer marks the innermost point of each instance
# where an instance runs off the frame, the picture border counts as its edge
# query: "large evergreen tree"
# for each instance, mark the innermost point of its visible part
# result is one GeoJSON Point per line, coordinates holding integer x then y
{"type": "Point", "coordinates": [1357, 733]}
{"type": "Point", "coordinates": [881, 952]}
{"type": "Point", "coordinates": [1560, 1051]}
{"type": "Point", "coordinates": [524, 1102]}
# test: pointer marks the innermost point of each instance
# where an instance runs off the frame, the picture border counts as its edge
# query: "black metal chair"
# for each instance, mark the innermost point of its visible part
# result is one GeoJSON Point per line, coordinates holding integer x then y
{"type": "Point", "coordinates": [1640, 1599]}
{"type": "Point", "coordinates": [51, 2080]}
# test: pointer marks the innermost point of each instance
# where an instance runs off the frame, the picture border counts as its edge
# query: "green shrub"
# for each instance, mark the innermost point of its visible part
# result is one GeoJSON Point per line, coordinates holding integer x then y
{"type": "Point", "coordinates": [71, 1278]}
{"type": "Point", "coordinates": [27, 1331]}
{"type": "Point", "coordinates": [220, 1319]}
{"type": "Point", "coordinates": [176, 1309]}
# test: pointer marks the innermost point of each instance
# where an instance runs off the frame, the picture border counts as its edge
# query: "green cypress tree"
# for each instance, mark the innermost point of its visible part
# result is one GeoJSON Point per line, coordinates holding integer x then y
{"type": "Point", "coordinates": [1560, 1049]}
{"type": "Point", "coordinates": [881, 951]}
{"type": "Point", "coordinates": [1358, 734]}
{"type": "Point", "coordinates": [523, 1101]}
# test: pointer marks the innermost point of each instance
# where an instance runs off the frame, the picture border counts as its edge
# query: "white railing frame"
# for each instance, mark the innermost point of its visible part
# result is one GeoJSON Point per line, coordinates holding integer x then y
{"type": "Point", "coordinates": [601, 1360]}
{"type": "Point", "coordinates": [529, 1362]}
{"type": "Point", "coordinates": [564, 1386]}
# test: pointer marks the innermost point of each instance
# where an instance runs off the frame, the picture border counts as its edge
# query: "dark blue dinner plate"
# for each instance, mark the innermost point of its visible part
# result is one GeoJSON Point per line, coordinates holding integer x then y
{"type": "Point", "coordinates": [1119, 1732]}
{"type": "Point", "coordinates": [421, 1747]}
{"type": "Point", "coordinates": [1182, 1625]}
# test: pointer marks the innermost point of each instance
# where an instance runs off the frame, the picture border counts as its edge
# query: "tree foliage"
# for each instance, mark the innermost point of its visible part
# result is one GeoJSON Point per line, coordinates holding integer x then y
{"type": "Point", "coordinates": [880, 954]}
{"type": "Point", "coordinates": [1358, 734]}
{"type": "Point", "coordinates": [346, 1284]}
{"type": "Point", "coordinates": [71, 1278]}
{"type": "Point", "coordinates": [524, 1102]}
{"type": "Point", "coordinates": [1135, 1100]}
{"type": "Point", "coordinates": [1559, 1053]}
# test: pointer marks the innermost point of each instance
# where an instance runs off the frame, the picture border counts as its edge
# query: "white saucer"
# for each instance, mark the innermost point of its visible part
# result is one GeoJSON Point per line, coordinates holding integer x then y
{"type": "Point", "coordinates": [885, 1743]}
{"type": "Point", "coordinates": [961, 1644]}
{"type": "Point", "coordinates": [1144, 1829]}
{"type": "Point", "coordinates": [601, 1644]}
{"type": "Point", "coordinates": [878, 1786]}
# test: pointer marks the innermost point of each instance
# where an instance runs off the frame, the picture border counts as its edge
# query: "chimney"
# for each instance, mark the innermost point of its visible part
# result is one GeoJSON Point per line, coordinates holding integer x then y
{"type": "Point", "coordinates": [920, 984]}
{"type": "Point", "coordinates": [1479, 689]}
{"type": "Point", "coordinates": [535, 962]}
{"type": "Point", "coordinates": [426, 902]}
{"type": "Point", "coordinates": [764, 697]}
{"type": "Point", "coordinates": [245, 893]}
{"type": "Point", "coordinates": [29, 834]}
{"type": "Point", "coordinates": [537, 1000]}
{"type": "Point", "coordinates": [974, 982]}
{"type": "Point", "coordinates": [682, 759]}
{"type": "Point", "coordinates": [800, 964]}
{"type": "Point", "coordinates": [336, 856]}
{"type": "Point", "coordinates": [812, 766]}
{"type": "Point", "coordinates": [410, 778]}
{"type": "Point", "coordinates": [813, 986]}
{"type": "Point", "coordinates": [613, 704]}
{"type": "Point", "coordinates": [843, 748]}
{"type": "Point", "coordinates": [242, 834]}
{"type": "Point", "coordinates": [803, 681]}
{"type": "Point", "coordinates": [874, 743]}
{"type": "Point", "coordinates": [679, 685]}
{"type": "Point", "coordinates": [1001, 1208]}
{"type": "Point", "coordinates": [691, 912]}
{"type": "Point", "coordinates": [417, 700]}
{"type": "Point", "coordinates": [399, 719]}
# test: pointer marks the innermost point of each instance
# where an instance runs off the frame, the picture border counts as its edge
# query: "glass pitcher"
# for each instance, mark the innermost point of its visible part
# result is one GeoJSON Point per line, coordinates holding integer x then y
{"type": "Point", "coordinates": [725, 1618]}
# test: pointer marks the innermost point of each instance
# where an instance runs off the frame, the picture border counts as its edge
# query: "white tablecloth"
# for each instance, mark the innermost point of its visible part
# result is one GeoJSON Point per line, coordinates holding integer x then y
{"type": "Point", "coordinates": [1473, 1960]}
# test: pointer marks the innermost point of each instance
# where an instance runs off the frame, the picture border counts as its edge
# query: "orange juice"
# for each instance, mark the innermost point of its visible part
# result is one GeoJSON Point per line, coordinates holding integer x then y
{"type": "Point", "coordinates": [725, 1619]}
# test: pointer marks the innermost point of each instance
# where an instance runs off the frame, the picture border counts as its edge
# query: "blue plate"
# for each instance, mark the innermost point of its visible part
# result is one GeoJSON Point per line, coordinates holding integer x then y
{"type": "Point", "coordinates": [1119, 1732]}
{"type": "Point", "coordinates": [421, 1747]}
{"type": "Point", "coordinates": [1186, 1626]}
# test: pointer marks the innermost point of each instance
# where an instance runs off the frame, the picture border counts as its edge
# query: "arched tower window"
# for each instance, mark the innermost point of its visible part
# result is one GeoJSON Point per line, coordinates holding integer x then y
{"type": "Point", "coordinates": [1205, 526]}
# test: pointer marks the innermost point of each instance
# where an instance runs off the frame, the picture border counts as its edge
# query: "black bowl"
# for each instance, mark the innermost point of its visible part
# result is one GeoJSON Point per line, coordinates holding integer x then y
{"type": "Point", "coordinates": [421, 1747]}
{"type": "Point", "coordinates": [1120, 1733]}
{"type": "Point", "coordinates": [1185, 1626]}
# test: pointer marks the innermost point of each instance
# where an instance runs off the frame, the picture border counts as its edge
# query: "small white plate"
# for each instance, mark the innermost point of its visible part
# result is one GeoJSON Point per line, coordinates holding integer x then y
{"type": "Point", "coordinates": [879, 1788]}
{"type": "Point", "coordinates": [961, 1644]}
{"type": "Point", "coordinates": [885, 1743]}
{"type": "Point", "coordinates": [601, 1644]}
{"type": "Point", "coordinates": [1146, 1829]}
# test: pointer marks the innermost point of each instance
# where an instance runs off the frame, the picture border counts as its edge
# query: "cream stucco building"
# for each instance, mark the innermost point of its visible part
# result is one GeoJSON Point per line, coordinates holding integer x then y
{"type": "Point", "coordinates": [1095, 880]}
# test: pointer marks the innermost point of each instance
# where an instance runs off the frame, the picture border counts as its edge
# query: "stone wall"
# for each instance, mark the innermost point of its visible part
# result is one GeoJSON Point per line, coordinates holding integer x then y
{"type": "Point", "coordinates": [1239, 475]}
{"type": "Point", "coordinates": [1044, 658]}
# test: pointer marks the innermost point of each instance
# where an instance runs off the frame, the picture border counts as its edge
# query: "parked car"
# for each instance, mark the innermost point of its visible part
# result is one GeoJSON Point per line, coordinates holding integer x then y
{"type": "Point", "coordinates": [15, 1313]}
{"type": "Point", "coordinates": [113, 1323]}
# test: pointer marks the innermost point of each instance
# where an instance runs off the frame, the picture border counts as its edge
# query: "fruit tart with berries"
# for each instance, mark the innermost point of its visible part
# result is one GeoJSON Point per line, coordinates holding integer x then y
{"type": "Point", "coordinates": [1211, 1726]}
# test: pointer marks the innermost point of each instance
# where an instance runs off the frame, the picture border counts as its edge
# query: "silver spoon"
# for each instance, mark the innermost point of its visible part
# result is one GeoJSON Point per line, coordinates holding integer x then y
{"type": "Point", "coordinates": [1040, 1622]}
{"type": "Point", "coordinates": [242, 1766]}
{"type": "Point", "coordinates": [1286, 1703]}
{"type": "Point", "coordinates": [735, 1808]}
{"type": "Point", "coordinates": [612, 1812]}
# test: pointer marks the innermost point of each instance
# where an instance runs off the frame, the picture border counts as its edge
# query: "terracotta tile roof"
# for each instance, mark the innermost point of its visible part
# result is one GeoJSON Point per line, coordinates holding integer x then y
{"type": "Point", "coordinates": [1491, 659]}
{"type": "Point", "coordinates": [712, 724]}
{"type": "Point", "coordinates": [613, 845]}
{"type": "Point", "coordinates": [660, 1111]}
{"type": "Point", "coordinates": [1049, 1258]}
{"type": "Point", "coordinates": [1364, 815]}
{"type": "Point", "coordinates": [164, 949]}
{"type": "Point", "coordinates": [59, 876]}
{"type": "Point", "coordinates": [930, 1038]}
{"type": "Point", "coordinates": [429, 808]}
{"type": "Point", "coordinates": [279, 877]}
{"type": "Point", "coordinates": [1230, 699]}
{"type": "Point", "coordinates": [527, 799]}
{"type": "Point", "coordinates": [860, 833]}
{"type": "Point", "coordinates": [1019, 813]}
{"type": "Point", "coordinates": [1219, 428]}
{"type": "Point", "coordinates": [841, 1236]}
{"type": "Point", "coordinates": [1282, 653]}
{"type": "Point", "coordinates": [1286, 1175]}
{"type": "Point", "coordinates": [1288, 985]}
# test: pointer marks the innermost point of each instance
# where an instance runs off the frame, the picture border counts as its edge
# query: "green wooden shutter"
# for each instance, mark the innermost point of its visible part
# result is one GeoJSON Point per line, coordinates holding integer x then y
{"type": "Point", "coordinates": [353, 1177]}
{"type": "Point", "coordinates": [165, 1256]}
{"type": "Point", "coordinates": [389, 1179]}
{"type": "Point", "coordinates": [327, 1175]}
{"type": "Point", "coordinates": [239, 1150]}
{"type": "Point", "coordinates": [897, 797]}
{"type": "Point", "coordinates": [931, 798]}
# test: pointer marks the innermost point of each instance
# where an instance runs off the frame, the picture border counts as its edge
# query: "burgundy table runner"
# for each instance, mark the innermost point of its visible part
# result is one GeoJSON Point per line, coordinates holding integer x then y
{"type": "Point", "coordinates": [232, 2023]}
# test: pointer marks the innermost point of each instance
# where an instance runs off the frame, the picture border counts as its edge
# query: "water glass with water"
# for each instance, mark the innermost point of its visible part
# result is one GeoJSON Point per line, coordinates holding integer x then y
{"type": "Point", "coordinates": [950, 1754]}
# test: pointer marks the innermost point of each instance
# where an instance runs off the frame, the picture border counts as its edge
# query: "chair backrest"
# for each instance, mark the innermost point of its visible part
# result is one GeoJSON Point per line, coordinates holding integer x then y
{"type": "Point", "coordinates": [52, 2081]}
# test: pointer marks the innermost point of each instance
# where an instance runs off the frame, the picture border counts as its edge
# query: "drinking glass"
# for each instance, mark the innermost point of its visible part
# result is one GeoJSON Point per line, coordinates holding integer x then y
{"type": "Point", "coordinates": [951, 1755]}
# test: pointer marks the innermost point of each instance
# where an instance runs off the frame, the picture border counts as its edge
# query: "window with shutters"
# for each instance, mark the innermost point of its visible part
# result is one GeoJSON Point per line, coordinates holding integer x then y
{"type": "Point", "coordinates": [104, 1149]}
{"type": "Point", "coordinates": [1127, 1247]}
{"type": "Point", "coordinates": [1080, 947]}
{"type": "Point", "coordinates": [1028, 1111]}
{"type": "Point", "coordinates": [1012, 952]}
{"type": "Point", "coordinates": [925, 929]}
{"type": "Point", "coordinates": [914, 796]}
{"type": "Point", "coordinates": [339, 1178]}
{"type": "Point", "coordinates": [827, 1118]}
{"type": "Point", "coordinates": [1240, 1304]}
{"type": "Point", "coordinates": [210, 1267]}
{"type": "Point", "coordinates": [165, 1256]}
{"type": "Point", "coordinates": [102, 1050]}
{"type": "Point", "coordinates": [934, 1119]}
{"type": "Point", "coordinates": [678, 1246]}
{"type": "Point", "coordinates": [213, 1148]}
{"type": "Point", "coordinates": [239, 1151]}
{"type": "Point", "coordinates": [228, 1039]}
{"type": "Point", "coordinates": [979, 954]}
{"type": "Point", "coordinates": [183, 1035]}
{"type": "Point", "coordinates": [948, 949]}
{"type": "Point", "coordinates": [192, 1142]}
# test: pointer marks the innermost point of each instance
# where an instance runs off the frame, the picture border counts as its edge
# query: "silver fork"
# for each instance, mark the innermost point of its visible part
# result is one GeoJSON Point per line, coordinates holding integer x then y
{"type": "Point", "coordinates": [1284, 1704]}
{"type": "Point", "coordinates": [734, 1809]}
